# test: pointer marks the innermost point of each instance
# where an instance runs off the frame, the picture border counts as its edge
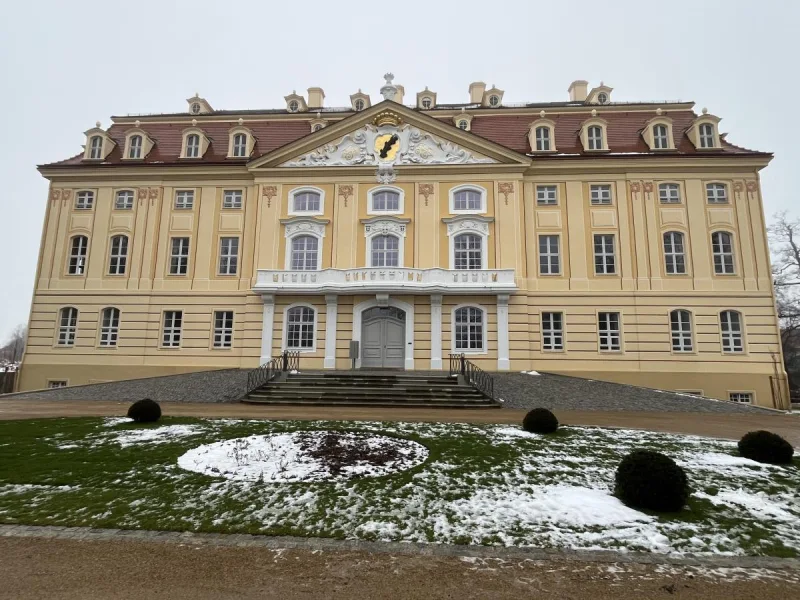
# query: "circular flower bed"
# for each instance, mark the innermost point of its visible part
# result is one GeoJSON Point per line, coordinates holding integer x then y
{"type": "Point", "coordinates": [304, 456]}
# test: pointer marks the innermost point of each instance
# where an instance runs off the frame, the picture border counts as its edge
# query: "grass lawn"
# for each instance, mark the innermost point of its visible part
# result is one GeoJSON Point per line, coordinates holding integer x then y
{"type": "Point", "coordinates": [480, 484]}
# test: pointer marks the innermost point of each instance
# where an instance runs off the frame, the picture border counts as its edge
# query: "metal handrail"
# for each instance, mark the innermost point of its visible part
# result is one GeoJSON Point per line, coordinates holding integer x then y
{"type": "Point", "coordinates": [286, 361]}
{"type": "Point", "coordinates": [473, 374]}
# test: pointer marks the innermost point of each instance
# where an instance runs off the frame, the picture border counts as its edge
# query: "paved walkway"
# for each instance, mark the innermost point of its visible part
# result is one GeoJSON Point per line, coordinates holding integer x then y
{"type": "Point", "coordinates": [721, 425]}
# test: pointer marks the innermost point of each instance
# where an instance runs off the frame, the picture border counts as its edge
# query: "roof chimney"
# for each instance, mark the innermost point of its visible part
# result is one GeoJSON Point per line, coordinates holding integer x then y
{"type": "Point", "coordinates": [315, 97]}
{"type": "Point", "coordinates": [400, 93]}
{"type": "Point", "coordinates": [578, 90]}
{"type": "Point", "coordinates": [476, 90]}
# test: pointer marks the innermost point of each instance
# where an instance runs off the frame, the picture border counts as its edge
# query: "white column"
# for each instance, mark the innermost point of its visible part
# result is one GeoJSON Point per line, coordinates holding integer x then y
{"type": "Point", "coordinates": [331, 311]}
{"type": "Point", "coordinates": [266, 328]}
{"type": "Point", "coordinates": [436, 331]}
{"type": "Point", "coordinates": [503, 362]}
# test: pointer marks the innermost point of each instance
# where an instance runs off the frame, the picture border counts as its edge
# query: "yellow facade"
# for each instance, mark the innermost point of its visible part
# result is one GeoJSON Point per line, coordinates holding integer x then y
{"type": "Point", "coordinates": [640, 290]}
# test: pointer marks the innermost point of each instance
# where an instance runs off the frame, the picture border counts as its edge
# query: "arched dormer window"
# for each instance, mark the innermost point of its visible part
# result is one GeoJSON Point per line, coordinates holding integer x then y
{"type": "Point", "coordinates": [469, 329]}
{"type": "Point", "coordinates": [306, 201]}
{"type": "Point", "coordinates": [468, 199]}
{"type": "Point", "coordinates": [657, 133]}
{"type": "Point", "coordinates": [463, 121]}
{"type": "Point", "coordinates": [594, 135]}
{"type": "Point", "coordinates": [137, 144]}
{"type": "Point", "coordinates": [96, 147]}
{"type": "Point", "coordinates": [469, 242]}
{"type": "Point", "coordinates": [98, 144]}
{"type": "Point", "coordinates": [426, 99]}
{"type": "Point", "coordinates": [386, 200]}
{"type": "Point", "coordinates": [541, 136]}
{"type": "Point", "coordinates": [195, 143]}
{"type": "Point", "coordinates": [704, 132]}
{"type": "Point", "coordinates": [359, 101]}
{"type": "Point", "coordinates": [240, 142]}
{"type": "Point", "coordinates": [135, 147]}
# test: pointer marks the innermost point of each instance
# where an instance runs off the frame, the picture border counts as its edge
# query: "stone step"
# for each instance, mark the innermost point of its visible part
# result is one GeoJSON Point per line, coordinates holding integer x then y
{"type": "Point", "coordinates": [300, 394]}
{"type": "Point", "coordinates": [298, 385]}
{"type": "Point", "coordinates": [376, 402]}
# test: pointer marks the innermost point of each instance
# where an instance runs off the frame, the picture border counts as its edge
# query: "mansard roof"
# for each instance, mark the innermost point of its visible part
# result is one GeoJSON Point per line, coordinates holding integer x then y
{"type": "Point", "coordinates": [506, 126]}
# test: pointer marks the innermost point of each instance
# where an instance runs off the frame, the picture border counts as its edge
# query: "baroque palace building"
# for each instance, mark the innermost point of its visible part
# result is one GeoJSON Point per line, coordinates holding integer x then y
{"type": "Point", "coordinates": [609, 240]}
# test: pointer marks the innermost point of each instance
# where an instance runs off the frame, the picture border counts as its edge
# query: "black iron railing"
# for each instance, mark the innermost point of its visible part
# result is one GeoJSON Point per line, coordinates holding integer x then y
{"type": "Point", "coordinates": [287, 361]}
{"type": "Point", "coordinates": [473, 375]}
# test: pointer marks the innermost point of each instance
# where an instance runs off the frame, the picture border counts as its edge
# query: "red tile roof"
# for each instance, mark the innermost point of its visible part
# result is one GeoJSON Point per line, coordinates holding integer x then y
{"type": "Point", "coordinates": [509, 130]}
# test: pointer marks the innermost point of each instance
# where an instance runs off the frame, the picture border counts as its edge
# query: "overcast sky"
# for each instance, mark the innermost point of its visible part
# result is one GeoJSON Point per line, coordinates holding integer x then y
{"type": "Point", "coordinates": [65, 65]}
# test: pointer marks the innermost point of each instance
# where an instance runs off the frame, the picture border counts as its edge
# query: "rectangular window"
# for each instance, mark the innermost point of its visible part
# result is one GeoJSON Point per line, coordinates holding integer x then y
{"type": "Point", "coordinates": [674, 256]}
{"type": "Point", "coordinates": [232, 199]}
{"type": "Point", "coordinates": [223, 329]}
{"type": "Point", "coordinates": [604, 259]}
{"type": "Point", "coordinates": [77, 255]}
{"type": "Point", "coordinates": [722, 249]}
{"type": "Point", "coordinates": [707, 135]}
{"type": "Point", "coordinates": [84, 200]}
{"type": "Point", "coordinates": [56, 383]}
{"type": "Point", "coordinates": [717, 193]}
{"type": "Point", "coordinates": [124, 200]}
{"type": "Point", "coordinates": [549, 256]}
{"type": "Point", "coordinates": [546, 195]}
{"type": "Point", "coordinates": [109, 327]}
{"type": "Point", "coordinates": [595, 136]}
{"type": "Point", "coordinates": [600, 194]}
{"type": "Point", "coordinates": [179, 256]}
{"type": "Point", "coordinates": [731, 328]}
{"type": "Point", "coordinates": [552, 331]}
{"type": "Point", "coordinates": [119, 255]}
{"type": "Point", "coordinates": [608, 327]}
{"type": "Point", "coordinates": [228, 255]}
{"type": "Point", "coordinates": [184, 199]}
{"type": "Point", "coordinates": [171, 332]}
{"type": "Point", "coordinates": [468, 329]}
{"type": "Point", "coordinates": [669, 193]}
{"type": "Point", "coordinates": [741, 397]}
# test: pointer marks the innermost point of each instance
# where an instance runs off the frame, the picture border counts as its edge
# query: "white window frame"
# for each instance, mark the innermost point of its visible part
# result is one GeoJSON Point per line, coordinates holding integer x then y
{"type": "Point", "coordinates": [67, 334]}
{"type": "Point", "coordinates": [109, 333]}
{"type": "Point", "coordinates": [96, 149]}
{"type": "Point", "coordinates": [359, 104]}
{"type": "Point", "coordinates": [468, 250]}
{"type": "Point", "coordinates": [239, 150]}
{"type": "Point", "coordinates": [171, 331]}
{"type": "Point", "coordinates": [606, 335]}
{"type": "Point", "coordinates": [549, 254]}
{"type": "Point", "coordinates": [684, 334]}
{"type": "Point", "coordinates": [127, 195]}
{"type": "Point", "coordinates": [117, 258]}
{"type": "Point", "coordinates": [604, 254]}
{"type": "Point", "coordinates": [370, 250]}
{"type": "Point", "coordinates": [717, 193]}
{"type": "Point", "coordinates": [465, 122]}
{"type": "Point", "coordinates": [544, 143]}
{"type": "Point", "coordinates": [81, 258]}
{"type": "Point", "coordinates": [703, 139]}
{"type": "Point", "coordinates": [671, 255]}
{"type": "Point", "coordinates": [232, 199]}
{"type": "Point", "coordinates": [180, 256]}
{"type": "Point", "coordinates": [543, 197]}
{"type": "Point", "coordinates": [285, 337]}
{"type": "Point", "coordinates": [669, 193]}
{"type": "Point", "coordinates": [305, 189]}
{"type": "Point", "coordinates": [228, 263]}
{"type": "Point", "coordinates": [549, 333]}
{"type": "Point", "coordinates": [484, 349]}
{"type": "Point", "coordinates": [427, 99]}
{"type": "Point", "coordinates": [134, 150]}
{"type": "Point", "coordinates": [595, 142]}
{"type": "Point", "coordinates": [661, 142]}
{"type": "Point", "coordinates": [742, 397]}
{"type": "Point", "coordinates": [289, 242]}
{"type": "Point", "coordinates": [193, 151]}
{"type": "Point", "coordinates": [84, 200]}
{"type": "Point", "coordinates": [728, 335]}
{"type": "Point", "coordinates": [184, 200]}
{"type": "Point", "coordinates": [386, 188]}
{"type": "Point", "coordinates": [222, 334]}
{"type": "Point", "coordinates": [472, 187]}
{"type": "Point", "coordinates": [728, 258]}
{"type": "Point", "coordinates": [476, 227]}
{"type": "Point", "coordinates": [597, 197]}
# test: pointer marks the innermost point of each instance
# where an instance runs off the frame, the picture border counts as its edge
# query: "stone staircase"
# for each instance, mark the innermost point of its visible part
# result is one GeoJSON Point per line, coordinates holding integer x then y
{"type": "Point", "coordinates": [371, 388]}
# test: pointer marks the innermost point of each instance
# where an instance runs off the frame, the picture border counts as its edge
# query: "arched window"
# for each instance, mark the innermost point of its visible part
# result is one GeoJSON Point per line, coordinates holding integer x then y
{"type": "Point", "coordinates": [731, 328]}
{"type": "Point", "coordinates": [468, 251]}
{"type": "Point", "coordinates": [595, 137]}
{"type": "Point", "coordinates": [77, 255]}
{"type": "Point", "coordinates": [306, 201]}
{"type": "Point", "coordinates": [109, 326]}
{"type": "Point", "coordinates": [681, 328]}
{"type": "Point", "coordinates": [193, 146]}
{"type": "Point", "coordinates": [468, 199]}
{"type": "Point", "coordinates": [124, 200]}
{"type": "Point", "coordinates": [542, 139]}
{"type": "Point", "coordinates": [67, 326]}
{"type": "Point", "coordinates": [463, 124]}
{"type": "Point", "coordinates": [300, 328]}
{"type": "Point", "coordinates": [96, 147]}
{"type": "Point", "coordinates": [294, 106]}
{"type": "Point", "coordinates": [386, 201]}
{"type": "Point", "coordinates": [305, 252]}
{"type": "Point", "coordinates": [359, 104]}
{"type": "Point", "coordinates": [135, 148]}
{"type": "Point", "coordinates": [722, 248]}
{"type": "Point", "coordinates": [707, 137]}
{"type": "Point", "coordinates": [427, 102]}
{"type": "Point", "coordinates": [674, 253]}
{"type": "Point", "coordinates": [240, 145]}
{"type": "Point", "coordinates": [118, 261]}
{"type": "Point", "coordinates": [385, 251]}
{"type": "Point", "coordinates": [494, 100]}
{"type": "Point", "coordinates": [660, 137]}
{"type": "Point", "coordinates": [469, 329]}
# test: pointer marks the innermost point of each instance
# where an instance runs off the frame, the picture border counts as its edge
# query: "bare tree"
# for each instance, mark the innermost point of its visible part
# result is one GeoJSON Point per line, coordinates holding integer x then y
{"type": "Point", "coordinates": [785, 245]}
{"type": "Point", "coordinates": [13, 349]}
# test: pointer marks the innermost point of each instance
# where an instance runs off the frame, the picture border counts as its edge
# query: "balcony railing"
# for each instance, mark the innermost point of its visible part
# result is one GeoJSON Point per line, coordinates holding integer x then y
{"type": "Point", "coordinates": [380, 279]}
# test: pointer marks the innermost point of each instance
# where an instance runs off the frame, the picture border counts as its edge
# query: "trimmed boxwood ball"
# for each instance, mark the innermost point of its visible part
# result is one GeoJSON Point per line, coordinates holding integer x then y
{"type": "Point", "coordinates": [651, 480]}
{"type": "Point", "coordinates": [766, 447]}
{"type": "Point", "coordinates": [540, 420]}
{"type": "Point", "coordinates": [145, 411]}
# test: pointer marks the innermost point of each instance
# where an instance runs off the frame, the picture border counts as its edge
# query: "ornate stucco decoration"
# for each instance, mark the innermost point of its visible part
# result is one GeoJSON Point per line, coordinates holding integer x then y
{"type": "Point", "coordinates": [752, 186]}
{"type": "Point", "coordinates": [409, 146]}
{"type": "Point", "coordinates": [304, 225]}
{"type": "Point", "coordinates": [345, 191]}
{"type": "Point", "coordinates": [388, 91]}
{"type": "Point", "coordinates": [55, 195]}
{"type": "Point", "coordinates": [467, 223]}
{"type": "Point", "coordinates": [648, 187]}
{"type": "Point", "coordinates": [384, 226]}
{"type": "Point", "coordinates": [426, 190]}
{"type": "Point", "coordinates": [269, 192]}
{"type": "Point", "coordinates": [636, 187]}
{"type": "Point", "coordinates": [385, 174]}
{"type": "Point", "coordinates": [66, 195]}
{"type": "Point", "coordinates": [505, 189]}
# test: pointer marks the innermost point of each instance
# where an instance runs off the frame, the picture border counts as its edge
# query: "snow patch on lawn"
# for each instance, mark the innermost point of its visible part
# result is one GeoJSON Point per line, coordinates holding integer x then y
{"type": "Point", "coordinates": [113, 421]}
{"type": "Point", "coordinates": [515, 432]}
{"type": "Point", "coordinates": [21, 488]}
{"type": "Point", "coordinates": [153, 435]}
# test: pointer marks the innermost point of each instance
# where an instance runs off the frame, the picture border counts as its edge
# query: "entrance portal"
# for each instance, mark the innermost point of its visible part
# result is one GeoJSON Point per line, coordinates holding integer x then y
{"type": "Point", "coordinates": [383, 337]}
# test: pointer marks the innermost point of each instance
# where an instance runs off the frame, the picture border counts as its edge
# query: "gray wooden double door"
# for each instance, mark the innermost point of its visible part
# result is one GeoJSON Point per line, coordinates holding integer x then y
{"type": "Point", "coordinates": [383, 338]}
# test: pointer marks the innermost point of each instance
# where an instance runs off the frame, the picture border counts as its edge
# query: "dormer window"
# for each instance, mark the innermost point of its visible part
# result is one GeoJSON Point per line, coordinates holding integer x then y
{"type": "Point", "coordinates": [541, 136]}
{"type": "Point", "coordinates": [463, 121]}
{"type": "Point", "coordinates": [359, 104]}
{"type": "Point", "coordinates": [240, 141]}
{"type": "Point", "coordinates": [316, 127]}
{"type": "Point", "coordinates": [706, 135]}
{"type": "Point", "coordinates": [240, 144]}
{"type": "Point", "coordinates": [494, 100]}
{"type": "Point", "coordinates": [595, 137]}
{"type": "Point", "coordinates": [98, 144]}
{"type": "Point", "coordinates": [602, 98]}
{"type": "Point", "coordinates": [294, 106]}
{"type": "Point", "coordinates": [493, 97]}
{"type": "Point", "coordinates": [704, 132]}
{"type": "Point", "coordinates": [463, 124]}
{"type": "Point", "coordinates": [135, 147]}
{"type": "Point", "coordinates": [660, 139]}
{"type": "Point", "coordinates": [195, 108]}
{"type": "Point", "coordinates": [195, 143]}
{"type": "Point", "coordinates": [542, 139]}
{"type": "Point", "coordinates": [96, 147]}
{"type": "Point", "coordinates": [657, 133]}
{"type": "Point", "coordinates": [193, 146]}
{"type": "Point", "coordinates": [427, 103]}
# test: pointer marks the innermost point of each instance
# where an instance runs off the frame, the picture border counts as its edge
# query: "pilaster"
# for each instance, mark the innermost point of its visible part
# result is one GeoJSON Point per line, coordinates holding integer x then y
{"type": "Point", "coordinates": [436, 331]}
